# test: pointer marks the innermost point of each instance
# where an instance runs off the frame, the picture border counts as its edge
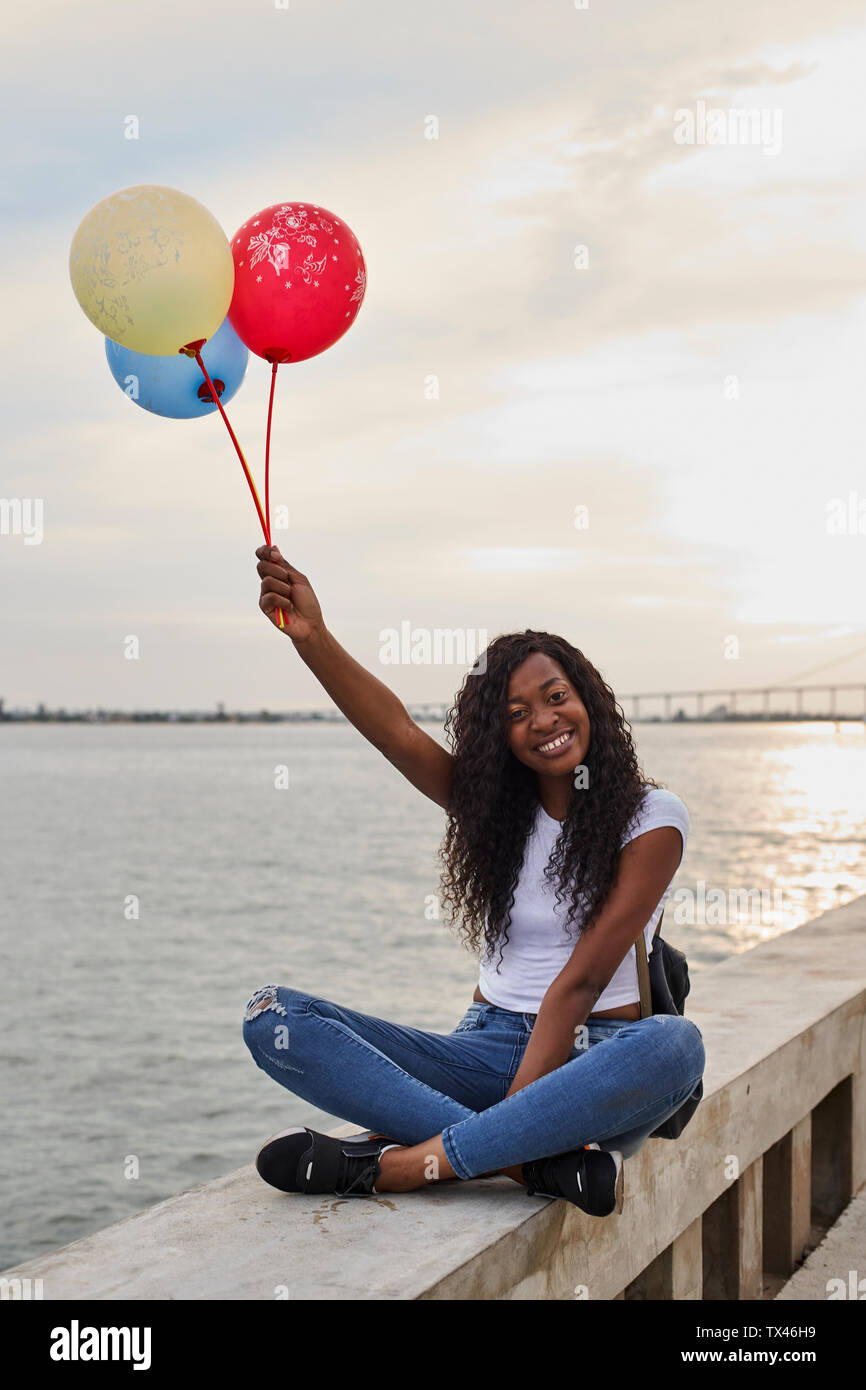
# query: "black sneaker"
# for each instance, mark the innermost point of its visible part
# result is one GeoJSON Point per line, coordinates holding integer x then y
{"type": "Point", "coordinates": [303, 1160]}
{"type": "Point", "coordinates": [591, 1178]}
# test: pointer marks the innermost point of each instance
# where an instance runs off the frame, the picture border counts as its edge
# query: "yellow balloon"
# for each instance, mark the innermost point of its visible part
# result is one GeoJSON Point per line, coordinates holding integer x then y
{"type": "Point", "coordinates": [152, 269]}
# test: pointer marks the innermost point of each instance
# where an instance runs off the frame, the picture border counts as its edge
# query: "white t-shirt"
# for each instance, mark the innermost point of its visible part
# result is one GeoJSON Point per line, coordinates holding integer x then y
{"type": "Point", "coordinates": [538, 946]}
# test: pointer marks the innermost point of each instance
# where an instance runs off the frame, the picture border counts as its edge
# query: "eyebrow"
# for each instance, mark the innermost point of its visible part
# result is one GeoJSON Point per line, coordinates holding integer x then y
{"type": "Point", "coordinates": [515, 699]}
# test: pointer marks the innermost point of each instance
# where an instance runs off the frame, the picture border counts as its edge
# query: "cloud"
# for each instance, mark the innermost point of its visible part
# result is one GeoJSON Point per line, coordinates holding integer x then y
{"type": "Point", "coordinates": [555, 387]}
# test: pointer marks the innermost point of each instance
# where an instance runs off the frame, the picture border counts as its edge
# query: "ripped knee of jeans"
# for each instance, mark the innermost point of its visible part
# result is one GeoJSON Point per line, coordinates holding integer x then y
{"type": "Point", "coordinates": [263, 999]}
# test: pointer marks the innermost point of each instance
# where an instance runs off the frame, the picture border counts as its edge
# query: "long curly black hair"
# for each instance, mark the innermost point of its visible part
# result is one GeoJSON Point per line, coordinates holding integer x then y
{"type": "Point", "coordinates": [495, 796]}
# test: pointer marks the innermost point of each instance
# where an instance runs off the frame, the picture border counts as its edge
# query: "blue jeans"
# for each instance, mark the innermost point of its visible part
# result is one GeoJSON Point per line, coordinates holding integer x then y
{"type": "Point", "coordinates": [620, 1081]}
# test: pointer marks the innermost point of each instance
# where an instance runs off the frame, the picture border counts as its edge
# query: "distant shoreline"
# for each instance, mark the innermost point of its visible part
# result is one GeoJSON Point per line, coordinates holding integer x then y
{"type": "Point", "coordinates": [62, 716]}
{"type": "Point", "coordinates": [426, 714]}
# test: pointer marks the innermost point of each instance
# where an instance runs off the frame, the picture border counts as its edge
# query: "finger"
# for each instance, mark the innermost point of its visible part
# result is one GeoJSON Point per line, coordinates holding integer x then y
{"type": "Point", "coordinates": [265, 567]}
{"type": "Point", "coordinates": [270, 552]}
{"type": "Point", "coordinates": [269, 603]}
{"type": "Point", "coordinates": [276, 586]}
{"type": "Point", "coordinates": [273, 555]}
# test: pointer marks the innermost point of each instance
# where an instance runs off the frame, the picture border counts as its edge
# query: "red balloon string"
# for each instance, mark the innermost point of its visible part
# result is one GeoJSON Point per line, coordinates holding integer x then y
{"type": "Point", "coordinates": [263, 518]}
{"type": "Point", "coordinates": [274, 366]}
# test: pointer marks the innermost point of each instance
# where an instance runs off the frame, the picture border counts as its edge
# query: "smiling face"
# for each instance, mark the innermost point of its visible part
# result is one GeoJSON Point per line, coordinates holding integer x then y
{"type": "Point", "coordinates": [548, 723]}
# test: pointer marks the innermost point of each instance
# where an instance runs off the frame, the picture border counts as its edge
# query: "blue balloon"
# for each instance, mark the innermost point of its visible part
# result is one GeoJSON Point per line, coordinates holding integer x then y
{"type": "Point", "coordinates": [175, 386]}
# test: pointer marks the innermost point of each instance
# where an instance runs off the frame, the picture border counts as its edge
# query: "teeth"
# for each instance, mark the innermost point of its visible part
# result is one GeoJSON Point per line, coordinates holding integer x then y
{"type": "Point", "coordinates": [545, 747]}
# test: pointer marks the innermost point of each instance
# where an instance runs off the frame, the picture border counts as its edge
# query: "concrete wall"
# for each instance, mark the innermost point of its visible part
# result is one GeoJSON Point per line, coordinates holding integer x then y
{"type": "Point", "coordinates": [774, 1152]}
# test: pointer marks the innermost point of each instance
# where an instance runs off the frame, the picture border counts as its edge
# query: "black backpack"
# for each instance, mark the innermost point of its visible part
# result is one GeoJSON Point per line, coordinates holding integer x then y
{"type": "Point", "coordinates": [664, 984]}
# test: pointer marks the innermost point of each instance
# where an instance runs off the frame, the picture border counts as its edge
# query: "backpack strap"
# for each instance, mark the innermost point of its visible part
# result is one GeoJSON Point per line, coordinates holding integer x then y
{"type": "Point", "coordinates": [643, 975]}
{"type": "Point", "coordinates": [643, 978]}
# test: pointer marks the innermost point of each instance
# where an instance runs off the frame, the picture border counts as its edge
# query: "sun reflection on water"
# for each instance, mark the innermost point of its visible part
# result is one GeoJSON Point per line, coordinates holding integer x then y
{"type": "Point", "coordinates": [778, 828]}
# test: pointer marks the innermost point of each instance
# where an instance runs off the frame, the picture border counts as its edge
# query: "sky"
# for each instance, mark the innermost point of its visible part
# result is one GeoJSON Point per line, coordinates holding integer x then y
{"type": "Point", "coordinates": [688, 387]}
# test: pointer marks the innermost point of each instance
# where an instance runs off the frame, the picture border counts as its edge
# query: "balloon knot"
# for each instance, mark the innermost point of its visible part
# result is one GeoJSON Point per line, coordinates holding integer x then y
{"type": "Point", "coordinates": [192, 348]}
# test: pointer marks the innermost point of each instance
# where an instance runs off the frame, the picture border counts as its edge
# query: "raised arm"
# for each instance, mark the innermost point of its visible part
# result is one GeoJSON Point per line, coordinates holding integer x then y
{"type": "Point", "coordinates": [375, 711]}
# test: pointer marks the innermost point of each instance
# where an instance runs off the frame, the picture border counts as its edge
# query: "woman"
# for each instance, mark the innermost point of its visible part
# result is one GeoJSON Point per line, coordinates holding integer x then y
{"type": "Point", "coordinates": [557, 854]}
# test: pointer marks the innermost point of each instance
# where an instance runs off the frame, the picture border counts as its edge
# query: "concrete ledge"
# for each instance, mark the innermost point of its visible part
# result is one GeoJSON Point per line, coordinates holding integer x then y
{"type": "Point", "coordinates": [784, 1026]}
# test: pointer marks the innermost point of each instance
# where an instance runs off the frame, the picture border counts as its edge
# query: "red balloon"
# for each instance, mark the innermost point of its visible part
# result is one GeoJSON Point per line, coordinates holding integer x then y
{"type": "Point", "coordinates": [300, 279]}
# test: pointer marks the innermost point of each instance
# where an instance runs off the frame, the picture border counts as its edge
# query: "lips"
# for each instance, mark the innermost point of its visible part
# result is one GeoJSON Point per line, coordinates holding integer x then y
{"type": "Point", "coordinates": [556, 743]}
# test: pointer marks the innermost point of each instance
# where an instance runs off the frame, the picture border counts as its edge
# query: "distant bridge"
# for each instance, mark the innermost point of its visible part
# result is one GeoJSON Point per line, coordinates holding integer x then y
{"type": "Point", "coordinates": [737, 702]}
{"type": "Point", "coordinates": [728, 696]}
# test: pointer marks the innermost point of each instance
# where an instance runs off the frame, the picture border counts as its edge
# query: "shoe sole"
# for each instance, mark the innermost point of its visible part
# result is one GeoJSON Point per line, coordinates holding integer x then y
{"type": "Point", "coordinates": [619, 1181]}
{"type": "Point", "coordinates": [619, 1185]}
{"type": "Point", "coordinates": [365, 1136]}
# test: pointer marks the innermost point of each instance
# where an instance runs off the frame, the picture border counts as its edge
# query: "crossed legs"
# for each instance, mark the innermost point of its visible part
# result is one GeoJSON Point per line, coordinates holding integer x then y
{"type": "Point", "coordinates": [442, 1096]}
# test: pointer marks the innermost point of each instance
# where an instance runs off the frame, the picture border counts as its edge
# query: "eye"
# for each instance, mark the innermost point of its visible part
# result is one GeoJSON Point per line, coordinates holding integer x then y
{"type": "Point", "coordinates": [563, 695]}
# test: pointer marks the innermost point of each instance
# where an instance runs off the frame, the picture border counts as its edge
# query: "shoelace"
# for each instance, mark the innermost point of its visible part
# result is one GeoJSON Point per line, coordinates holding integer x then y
{"type": "Point", "coordinates": [364, 1177]}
